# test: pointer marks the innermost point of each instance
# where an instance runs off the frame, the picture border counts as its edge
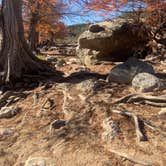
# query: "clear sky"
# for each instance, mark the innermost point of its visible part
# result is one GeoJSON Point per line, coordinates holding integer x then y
{"type": "Point", "coordinates": [94, 16]}
{"type": "Point", "coordinates": [90, 16]}
{"type": "Point", "coordinates": [86, 17]}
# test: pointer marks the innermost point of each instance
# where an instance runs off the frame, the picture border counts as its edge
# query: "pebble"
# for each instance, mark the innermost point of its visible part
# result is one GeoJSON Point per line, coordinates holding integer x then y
{"type": "Point", "coordinates": [6, 131]}
{"type": "Point", "coordinates": [9, 112]}
{"type": "Point", "coordinates": [36, 161]}
{"type": "Point", "coordinates": [162, 113]}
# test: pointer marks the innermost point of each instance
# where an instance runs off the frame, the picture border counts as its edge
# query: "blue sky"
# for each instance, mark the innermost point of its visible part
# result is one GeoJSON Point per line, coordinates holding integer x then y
{"type": "Point", "coordinates": [93, 16]}
{"type": "Point", "coordinates": [77, 8]}
{"type": "Point", "coordinates": [90, 16]}
{"type": "Point", "coordinates": [86, 17]}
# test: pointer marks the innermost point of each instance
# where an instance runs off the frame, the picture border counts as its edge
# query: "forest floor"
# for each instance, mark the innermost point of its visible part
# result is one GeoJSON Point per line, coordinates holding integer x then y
{"type": "Point", "coordinates": [61, 122]}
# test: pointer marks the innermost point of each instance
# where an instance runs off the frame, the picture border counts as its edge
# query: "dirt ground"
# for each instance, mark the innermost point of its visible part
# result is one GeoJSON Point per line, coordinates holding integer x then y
{"type": "Point", "coordinates": [82, 102]}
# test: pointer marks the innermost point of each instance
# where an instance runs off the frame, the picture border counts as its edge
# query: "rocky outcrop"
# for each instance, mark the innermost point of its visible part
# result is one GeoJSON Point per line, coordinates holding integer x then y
{"type": "Point", "coordinates": [115, 40]}
{"type": "Point", "coordinates": [125, 72]}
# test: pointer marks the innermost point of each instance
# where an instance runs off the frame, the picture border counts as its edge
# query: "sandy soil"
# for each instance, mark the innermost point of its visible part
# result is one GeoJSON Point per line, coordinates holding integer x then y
{"type": "Point", "coordinates": [80, 141]}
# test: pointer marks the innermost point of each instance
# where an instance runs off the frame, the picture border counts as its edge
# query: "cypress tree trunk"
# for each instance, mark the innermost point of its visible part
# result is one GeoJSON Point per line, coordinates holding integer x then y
{"type": "Point", "coordinates": [33, 35]}
{"type": "Point", "coordinates": [16, 59]}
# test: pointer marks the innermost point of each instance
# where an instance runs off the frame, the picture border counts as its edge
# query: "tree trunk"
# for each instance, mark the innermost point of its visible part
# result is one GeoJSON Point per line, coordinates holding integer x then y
{"type": "Point", "coordinates": [16, 59]}
{"type": "Point", "coordinates": [33, 35]}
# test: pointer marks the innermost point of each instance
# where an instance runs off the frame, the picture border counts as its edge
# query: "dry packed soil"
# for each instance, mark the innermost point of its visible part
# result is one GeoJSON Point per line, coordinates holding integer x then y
{"type": "Point", "coordinates": [61, 123]}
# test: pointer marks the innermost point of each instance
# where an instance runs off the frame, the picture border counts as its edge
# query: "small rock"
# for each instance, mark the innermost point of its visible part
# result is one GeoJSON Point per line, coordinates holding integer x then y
{"type": "Point", "coordinates": [145, 82]}
{"type": "Point", "coordinates": [95, 28]}
{"type": "Point", "coordinates": [6, 132]}
{"type": "Point", "coordinates": [60, 63]}
{"type": "Point", "coordinates": [162, 113]}
{"type": "Point", "coordinates": [87, 85]}
{"type": "Point", "coordinates": [57, 124]}
{"type": "Point", "coordinates": [9, 112]}
{"type": "Point", "coordinates": [36, 161]}
{"type": "Point", "coordinates": [48, 103]}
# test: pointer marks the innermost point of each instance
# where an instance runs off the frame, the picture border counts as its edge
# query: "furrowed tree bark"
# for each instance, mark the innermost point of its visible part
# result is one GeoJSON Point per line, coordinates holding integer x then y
{"type": "Point", "coordinates": [16, 59]}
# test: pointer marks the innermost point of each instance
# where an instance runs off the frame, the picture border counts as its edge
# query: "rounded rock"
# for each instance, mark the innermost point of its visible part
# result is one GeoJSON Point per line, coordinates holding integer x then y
{"type": "Point", "coordinates": [36, 161]}
{"type": "Point", "coordinates": [146, 82]}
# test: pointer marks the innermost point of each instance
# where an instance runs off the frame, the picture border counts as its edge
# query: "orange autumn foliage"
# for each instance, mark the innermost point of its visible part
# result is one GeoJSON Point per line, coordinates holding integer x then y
{"type": "Point", "coordinates": [44, 16]}
{"type": "Point", "coordinates": [155, 10]}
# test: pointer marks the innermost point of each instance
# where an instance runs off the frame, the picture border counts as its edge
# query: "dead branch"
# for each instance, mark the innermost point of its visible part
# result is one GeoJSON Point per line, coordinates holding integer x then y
{"type": "Point", "coordinates": [158, 101]}
{"type": "Point", "coordinates": [131, 158]}
{"type": "Point", "coordinates": [35, 98]}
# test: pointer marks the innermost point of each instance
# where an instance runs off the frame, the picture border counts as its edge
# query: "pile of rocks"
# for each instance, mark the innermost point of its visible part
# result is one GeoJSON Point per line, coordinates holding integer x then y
{"type": "Point", "coordinates": [136, 72]}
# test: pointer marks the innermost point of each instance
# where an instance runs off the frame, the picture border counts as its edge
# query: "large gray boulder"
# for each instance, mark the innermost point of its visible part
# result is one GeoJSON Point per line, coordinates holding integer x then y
{"type": "Point", "coordinates": [115, 40]}
{"type": "Point", "coordinates": [145, 82]}
{"type": "Point", "coordinates": [125, 72]}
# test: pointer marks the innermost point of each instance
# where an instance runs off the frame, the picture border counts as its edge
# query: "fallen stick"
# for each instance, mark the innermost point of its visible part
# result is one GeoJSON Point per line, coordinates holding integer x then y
{"type": "Point", "coordinates": [131, 158]}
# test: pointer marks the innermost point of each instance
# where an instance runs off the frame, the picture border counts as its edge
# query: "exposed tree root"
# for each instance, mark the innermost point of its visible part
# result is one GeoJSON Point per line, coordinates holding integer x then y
{"type": "Point", "coordinates": [131, 158]}
{"type": "Point", "coordinates": [154, 127]}
{"type": "Point", "coordinates": [11, 97]}
{"type": "Point", "coordinates": [16, 59]}
{"type": "Point", "coordinates": [140, 135]}
{"type": "Point", "coordinates": [158, 101]}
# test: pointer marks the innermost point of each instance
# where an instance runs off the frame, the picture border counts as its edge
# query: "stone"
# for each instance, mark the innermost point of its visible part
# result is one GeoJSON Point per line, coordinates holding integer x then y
{"type": "Point", "coordinates": [113, 40]}
{"type": "Point", "coordinates": [48, 103]}
{"type": "Point", "coordinates": [95, 28]}
{"type": "Point", "coordinates": [162, 113]}
{"type": "Point", "coordinates": [6, 131]}
{"type": "Point", "coordinates": [146, 82]}
{"type": "Point", "coordinates": [9, 112]}
{"type": "Point", "coordinates": [36, 161]}
{"type": "Point", "coordinates": [60, 63]}
{"type": "Point", "coordinates": [125, 72]}
{"type": "Point", "coordinates": [87, 85]}
{"type": "Point", "coordinates": [57, 124]}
